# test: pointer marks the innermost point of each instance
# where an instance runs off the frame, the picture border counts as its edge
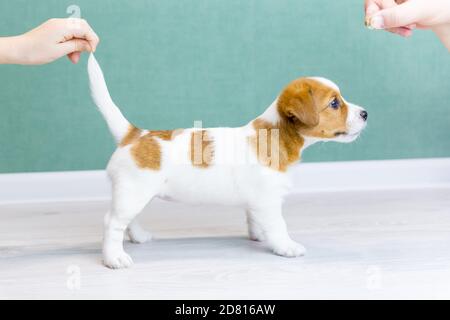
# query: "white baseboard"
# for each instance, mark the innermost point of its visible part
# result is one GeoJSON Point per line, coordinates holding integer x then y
{"type": "Point", "coordinates": [54, 186]}
{"type": "Point", "coordinates": [372, 175]}
{"type": "Point", "coordinates": [308, 177]}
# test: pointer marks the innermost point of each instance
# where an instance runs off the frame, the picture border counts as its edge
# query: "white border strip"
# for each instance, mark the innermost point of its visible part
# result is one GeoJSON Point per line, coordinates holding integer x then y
{"type": "Point", "coordinates": [307, 177]}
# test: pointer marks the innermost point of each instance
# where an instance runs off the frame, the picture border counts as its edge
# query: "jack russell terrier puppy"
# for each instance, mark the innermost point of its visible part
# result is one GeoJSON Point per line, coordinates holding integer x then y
{"type": "Point", "coordinates": [246, 166]}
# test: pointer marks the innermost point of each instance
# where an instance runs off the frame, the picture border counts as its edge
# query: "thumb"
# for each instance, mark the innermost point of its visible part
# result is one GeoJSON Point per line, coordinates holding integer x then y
{"type": "Point", "coordinates": [74, 45]}
{"type": "Point", "coordinates": [398, 16]}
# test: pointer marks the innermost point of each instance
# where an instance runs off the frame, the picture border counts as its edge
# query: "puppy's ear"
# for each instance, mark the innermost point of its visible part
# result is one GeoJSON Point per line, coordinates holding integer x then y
{"type": "Point", "coordinates": [297, 102]}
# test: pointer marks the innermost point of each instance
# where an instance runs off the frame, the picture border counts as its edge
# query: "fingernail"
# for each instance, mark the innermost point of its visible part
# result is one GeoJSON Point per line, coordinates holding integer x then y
{"type": "Point", "coordinates": [377, 22]}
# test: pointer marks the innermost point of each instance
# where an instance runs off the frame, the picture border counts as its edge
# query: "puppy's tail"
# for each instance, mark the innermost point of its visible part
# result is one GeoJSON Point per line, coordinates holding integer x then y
{"type": "Point", "coordinates": [117, 123]}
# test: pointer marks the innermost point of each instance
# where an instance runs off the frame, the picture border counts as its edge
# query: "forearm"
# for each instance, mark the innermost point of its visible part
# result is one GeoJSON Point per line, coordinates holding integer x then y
{"type": "Point", "coordinates": [443, 32]}
{"type": "Point", "coordinates": [9, 50]}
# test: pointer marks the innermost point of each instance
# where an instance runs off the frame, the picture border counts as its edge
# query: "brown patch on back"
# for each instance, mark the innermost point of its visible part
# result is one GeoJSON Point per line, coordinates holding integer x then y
{"type": "Point", "coordinates": [277, 145]}
{"type": "Point", "coordinates": [132, 135]}
{"type": "Point", "coordinates": [201, 149]}
{"type": "Point", "coordinates": [146, 152]}
{"type": "Point", "coordinates": [166, 135]}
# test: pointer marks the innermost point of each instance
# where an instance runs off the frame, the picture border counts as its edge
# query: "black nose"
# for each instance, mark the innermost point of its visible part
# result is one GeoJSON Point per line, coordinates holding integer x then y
{"type": "Point", "coordinates": [364, 115]}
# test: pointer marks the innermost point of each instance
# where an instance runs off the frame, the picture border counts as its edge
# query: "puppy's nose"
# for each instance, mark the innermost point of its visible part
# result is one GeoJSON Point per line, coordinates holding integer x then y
{"type": "Point", "coordinates": [364, 115]}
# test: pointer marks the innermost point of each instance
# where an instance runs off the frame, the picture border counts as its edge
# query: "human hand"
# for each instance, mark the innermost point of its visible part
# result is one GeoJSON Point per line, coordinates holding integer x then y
{"type": "Point", "coordinates": [403, 16]}
{"type": "Point", "coordinates": [51, 41]}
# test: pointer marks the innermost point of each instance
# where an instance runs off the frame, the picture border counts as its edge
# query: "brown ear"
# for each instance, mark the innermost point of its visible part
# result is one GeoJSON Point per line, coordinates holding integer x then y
{"type": "Point", "coordinates": [297, 101]}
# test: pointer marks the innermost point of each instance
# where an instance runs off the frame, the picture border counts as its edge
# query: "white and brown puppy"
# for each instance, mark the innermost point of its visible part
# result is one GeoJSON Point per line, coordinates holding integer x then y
{"type": "Point", "coordinates": [246, 166]}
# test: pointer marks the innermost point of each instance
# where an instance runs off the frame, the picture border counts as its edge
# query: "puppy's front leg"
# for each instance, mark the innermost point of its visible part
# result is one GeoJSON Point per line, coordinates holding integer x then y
{"type": "Point", "coordinates": [273, 229]}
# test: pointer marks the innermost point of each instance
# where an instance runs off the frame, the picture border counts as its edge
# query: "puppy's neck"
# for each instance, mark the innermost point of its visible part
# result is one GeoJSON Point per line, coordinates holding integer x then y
{"type": "Point", "coordinates": [271, 115]}
{"type": "Point", "coordinates": [291, 142]}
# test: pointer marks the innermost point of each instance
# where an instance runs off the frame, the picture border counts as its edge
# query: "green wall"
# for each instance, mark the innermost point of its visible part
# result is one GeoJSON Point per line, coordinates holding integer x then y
{"type": "Point", "coordinates": [170, 62]}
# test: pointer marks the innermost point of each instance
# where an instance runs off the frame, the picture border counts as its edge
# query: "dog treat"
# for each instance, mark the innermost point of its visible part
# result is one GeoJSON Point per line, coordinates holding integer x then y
{"type": "Point", "coordinates": [368, 23]}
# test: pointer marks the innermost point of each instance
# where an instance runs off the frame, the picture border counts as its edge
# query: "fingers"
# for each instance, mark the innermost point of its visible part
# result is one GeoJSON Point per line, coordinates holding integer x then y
{"type": "Point", "coordinates": [371, 7]}
{"type": "Point", "coordinates": [405, 14]}
{"type": "Point", "coordinates": [74, 57]}
{"type": "Point", "coordinates": [375, 6]}
{"type": "Point", "coordinates": [401, 31]}
{"type": "Point", "coordinates": [73, 48]}
{"type": "Point", "coordinates": [375, 19]}
{"type": "Point", "coordinates": [79, 28]}
{"type": "Point", "coordinates": [78, 37]}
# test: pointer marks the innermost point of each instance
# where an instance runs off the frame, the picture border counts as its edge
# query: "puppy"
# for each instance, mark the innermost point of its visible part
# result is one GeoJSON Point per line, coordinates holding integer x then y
{"type": "Point", "coordinates": [246, 166]}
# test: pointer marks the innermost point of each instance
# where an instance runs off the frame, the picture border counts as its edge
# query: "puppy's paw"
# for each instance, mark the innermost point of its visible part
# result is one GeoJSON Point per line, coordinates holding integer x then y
{"type": "Point", "coordinates": [117, 260]}
{"type": "Point", "coordinates": [289, 249]}
{"type": "Point", "coordinates": [255, 234]}
{"type": "Point", "coordinates": [139, 236]}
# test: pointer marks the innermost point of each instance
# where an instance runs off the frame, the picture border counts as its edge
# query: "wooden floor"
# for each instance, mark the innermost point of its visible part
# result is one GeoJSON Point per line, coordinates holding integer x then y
{"type": "Point", "coordinates": [390, 244]}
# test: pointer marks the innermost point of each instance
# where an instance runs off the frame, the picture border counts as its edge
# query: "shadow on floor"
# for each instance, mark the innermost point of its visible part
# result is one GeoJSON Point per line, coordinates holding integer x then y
{"type": "Point", "coordinates": [155, 250]}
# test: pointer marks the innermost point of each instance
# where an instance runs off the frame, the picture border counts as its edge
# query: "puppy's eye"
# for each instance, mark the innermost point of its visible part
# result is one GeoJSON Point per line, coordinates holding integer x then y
{"type": "Point", "coordinates": [335, 104]}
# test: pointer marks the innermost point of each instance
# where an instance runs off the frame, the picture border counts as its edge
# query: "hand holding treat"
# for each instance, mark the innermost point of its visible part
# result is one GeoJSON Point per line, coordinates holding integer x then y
{"type": "Point", "coordinates": [403, 16]}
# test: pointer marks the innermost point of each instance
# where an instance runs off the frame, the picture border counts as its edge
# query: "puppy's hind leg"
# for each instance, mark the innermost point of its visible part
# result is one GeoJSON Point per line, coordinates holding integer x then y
{"type": "Point", "coordinates": [137, 234]}
{"type": "Point", "coordinates": [129, 199]}
{"type": "Point", "coordinates": [255, 232]}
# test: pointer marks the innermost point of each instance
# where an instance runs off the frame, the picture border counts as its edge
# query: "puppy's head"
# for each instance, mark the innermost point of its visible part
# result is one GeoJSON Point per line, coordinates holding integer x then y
{"type": "Point", "coordinates": [317, 109]}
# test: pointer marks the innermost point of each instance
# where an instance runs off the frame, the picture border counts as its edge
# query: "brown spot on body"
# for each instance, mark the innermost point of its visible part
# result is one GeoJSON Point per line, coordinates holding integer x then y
{"type": "Point", "coordinates": [146, 150]}
{"type": "Point", "coordinates": [132, 135]}
{"type": "Point", "coordinates": [166, 135]}
{"type": "Point", "coordinates": [201, 149]}
{"type": "Point", "coordinates": [146, 153]}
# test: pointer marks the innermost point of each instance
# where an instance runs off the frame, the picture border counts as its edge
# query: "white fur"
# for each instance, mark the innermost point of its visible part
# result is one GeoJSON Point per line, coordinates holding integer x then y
{"type": "Point", "coordinates": [235, 178]}
{"type": "Point", "coordinates": [326, 82]}
{"type": "Point", "coordinates": [271, 114]}
{"type": "Point", "coordinates": [117, 123]}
